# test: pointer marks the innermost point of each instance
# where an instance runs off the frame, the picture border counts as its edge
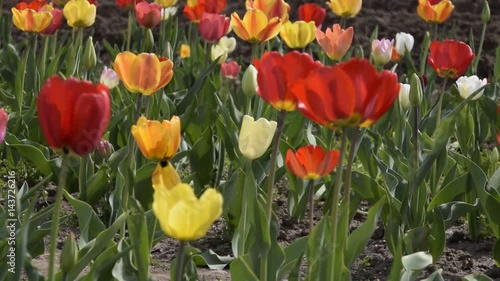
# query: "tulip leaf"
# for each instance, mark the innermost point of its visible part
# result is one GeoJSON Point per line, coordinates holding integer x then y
{"type": "Point", "coordinates": [138, 234]}
{"type": "Point", "coordinates": [449, 192]}
{"type": "Point", "coordinates": [212, 260]}
{"type": "Point", "coordinates": [34, 152]}
{"type": "Point", "coordinates": [496, 252]}
{"type": "Point", "coordinates": [476, 277]}
{"type": "Point", "coordinates": [293, 255]}
{"type": "Point", "coordinates": [143, 186]}
{"type": "Point", "coordinates": [241, 270]}
{"type": "Point", "coordinates": [101, 269]}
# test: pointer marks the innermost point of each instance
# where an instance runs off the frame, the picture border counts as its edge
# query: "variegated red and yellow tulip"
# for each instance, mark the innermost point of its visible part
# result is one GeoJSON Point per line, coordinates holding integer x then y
{"type": "Point", "coordinates": [255, 27]}
{"type": "Point", "coordinates": [435, 11]}
{"type": "Point", "coordinates": [30, 17]}
{"type": "Point", "coordinates": [311, 162]}
{"type": "Point", "coordinates": [298, 34]}
{"type": "Point", "coordinates": [272, 8]}
{"type": "Point", "coordinates": [336, 41]}
{"type": "Point", "coordinates": [144, 73]}
{"type": "Point", "coordinates": [158, 140]}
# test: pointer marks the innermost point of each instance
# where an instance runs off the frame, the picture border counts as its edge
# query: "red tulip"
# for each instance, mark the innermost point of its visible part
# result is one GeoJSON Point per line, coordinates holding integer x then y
{"type": "Point", "coordinates": [73, 114]}
{"type": "Point", "coordinates": [311, 162]}
{"type": "Point", "coordinates": [34, 5]}
{"type": "Point", "coordinates": [312, 12]}
{"type": "Point", "coordinates": [230, 69]}
{"type": "Point", "coordinates": [349, 94]}
{"type": "Point", "coordinates": [276, 74]}
{"type": "Point", "coordinates": [450, 59]}
{"type": "Point", "coordinates": [127, 4]}
{"type": "Point", "coordinates": [195, 8]}
{"type": "Point", "coordinates": [3, 124]}
{"type": "Point", "coordinates": [213, 26]}
{"type": "Point", "coordinates": [57, 16]}
{"type": "Point", "coordinates": [148, 14]}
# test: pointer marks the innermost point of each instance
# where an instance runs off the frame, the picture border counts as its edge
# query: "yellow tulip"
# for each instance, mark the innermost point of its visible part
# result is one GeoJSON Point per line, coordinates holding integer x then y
{"type": "Point", "coordinates": [255, 136]}
{"type": "Point", "coordinates": [30, 20]}
{"type": "Point", "coordinates": [255, 26]}
{"type": "Point", "coordinates": [298, 34]}
{"type": "Point", "coordinates": [165, 176]}
{"type": "Point", "coordinates": [183, 216]}
{"type": "Point", "coordinates": [79, 13]}
{"type": "Point", "coordinates": [435, 13]}
{"type": "Point", "coordinates": [272, 8]}
{"type": "Point", "coordinates": [185, 51]}
{"type": "Point", "coordinates": [345, 8]}
{"type": "Point", "coordinates": [144, 73]}
{"type": "Point", "coordinates": [158, 141]}
{"type": "Point", "coordinates": [166, 3]}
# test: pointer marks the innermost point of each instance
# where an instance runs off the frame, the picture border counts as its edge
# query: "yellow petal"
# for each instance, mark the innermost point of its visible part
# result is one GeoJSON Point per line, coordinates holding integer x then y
{"type": "Point", "coordinates": [165, 176]}
{"type": "Point", "coordinates": [145, 73]}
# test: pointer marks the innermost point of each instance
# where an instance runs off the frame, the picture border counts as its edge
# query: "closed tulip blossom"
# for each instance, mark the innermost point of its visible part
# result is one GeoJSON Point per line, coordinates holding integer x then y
{"type": "Point", "coordinates": [298, 34]}
{"type": "Point", "coordinates": [336, 41]}
{"type": "Point", "coordinates": [127, 4]}
{"type": "Point", "coordinates": [79, 13]}
{"type": "Point", "coordinates": [194, 9]}
{"type": "Point", "coordinates": [230, 69]}
{"type": "Point", "coordinates": [404, 42]}
{"type": "Point", "coordinates": [255, 27]}
{"type": "Point", "coordinates": [73, 114]}
{"type": "Point", "coordinates": [435, 11]}
{"type": "Point", "coordinates": [272, 8]}
{"type": "Point", "coordinates": [30, 17]}
{"type": "Point", "coordinates": [382, 51]}
{"type": "Point", "coordinates": [345, 8]}
{"type": "Point", "coordinates": [255, 136]}
{"type": "Point", "coordinates": [450, 58]}
{"type": "Point", "coordinates": [311, 162]}
{"type": "Point", "coordinates": [148, 14]}
{"type": "Point", "coordinates": [158, 140]}
{"type": "Point", "coordinates": [249, 84]}
{"type": "Point", "coordinates": [311, 12]}
{"type": "Point", "coordinates": [55, 23]}
{"type": "Point", "coordinates": [404, 96]}
{"type": "Point", "coordinates": [3, 124]}
{"type": "Point", "coordinates": [144, 73]}
{"type": "Point", "coordinates": [213, 26]}
{"type": "Point", "coordinates": [277, 73]}
{"type": "Point", "coordinates": [105, 149]}
{"type": "Point", "coordinates": [182, 215]}
{"type": "Point", "coordinates": [468, 85]}
{"type": "Point", "coordinates": [166, 3]}
{"type": "Point", "coordinates": [109, 78]}
{"type": "Point", "coordinates": [349, 94]}
{"type": "Point", "coordinates": [167, 13]}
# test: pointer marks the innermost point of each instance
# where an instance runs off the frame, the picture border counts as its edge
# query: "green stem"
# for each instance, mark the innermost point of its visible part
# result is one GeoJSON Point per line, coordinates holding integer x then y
{"type": "Point", "coordinates": [481, 41]}
{"type": "Point", "coordinates": [342, 22]}
{"type": "Point", "coordinates": [440, 103]}
{"type": "Point", "coordinates": [53, 45]}
{"type": "Point", "coordinates": [335, 204]}
{"type": "Point", "coordinates": [435, 27]}
{"type": "Point", "coordinates": [43, 60]}
{"type": "Point", "coordinates": [180, 262]}
{"type": "Point", "coordinates": [130, 26]}
{"type": "Point", "coordinates": [55, 217]}
{"type": "Point", "coordinates": [82, 176]}
{"type": "Point", "coordinates": [347, 184]}
{"type": "Point", "coordinates": [274, 157]}
{"type": "Point", "coordinates": [311, 205]}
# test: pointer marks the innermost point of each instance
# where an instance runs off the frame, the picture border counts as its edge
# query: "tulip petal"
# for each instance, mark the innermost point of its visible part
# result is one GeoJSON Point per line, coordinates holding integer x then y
{"type": "Point", "coordinates": [122, 65]}
{"type": "Point", "coordinates": [145, 73]}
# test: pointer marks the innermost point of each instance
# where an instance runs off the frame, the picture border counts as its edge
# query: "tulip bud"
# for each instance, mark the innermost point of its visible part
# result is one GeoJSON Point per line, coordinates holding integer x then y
{"type": "Point", "coordinates": [486, 14]}
{"type": "Point", "coordinates": [149, 40]}
{"type": "Point", "coordinates": [109, 78]}
{"type": "Point", "coordinates": [230, 69]}
{"type": "Point", "coordinates": [89, 56]}
{"type": "Point", "coordinates": [404, 96]}
{"type": "Point", "coordinates": [468, 85]}
{"type": "Point", "coordinates": [105, 149]}
{"type": "Point", "coordinates": [416, 93]}
{"type": "Point", "coordinates": [69, 254]}
{"type": "Point", "coordinates": [249, 81]}
{"type": "Point", "coordinates": [427, 41]}
{"type": "Point", "coordinates": [382, 51]}
{"type": "Point", "coordinates": [494, 155]}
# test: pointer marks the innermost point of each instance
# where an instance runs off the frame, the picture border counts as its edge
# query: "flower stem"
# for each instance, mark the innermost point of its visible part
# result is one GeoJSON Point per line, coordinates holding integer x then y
{"type": "Point", "coordinates": [129, 28]}
{"type": "Point", "coordinates": [347, 191]}
{"type": "Point", "coordinates": [440, 103]}
{"type": "Point", "coordinates": [480, 49]}
{"type": "Point", "coordinates": [55, 217]}
{"type": "Point", "coordinates": [311, 205]}
{"type": "Point", "coordinates": [180, 262]}
{"type": "Point", "coordinates": [274, 156]}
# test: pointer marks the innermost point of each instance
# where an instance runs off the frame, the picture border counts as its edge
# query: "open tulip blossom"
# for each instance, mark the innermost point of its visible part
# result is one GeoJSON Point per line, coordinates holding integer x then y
{"type": "Point", "coordinates": [435, 11]}
{"type": "Point", "coordinates": [158, 140]}
{"type": "Point", "coordinates": [31, 17]}
{"type": "Point", "coordinates": [468, 85]}
{"type": "Point", "coordinates": [335, 41]}
{"type": "Point", "coordinates": [450, 58]}
{"type": "Point", "coordinates": [255, 26]}
{"type": "Point", "coordinates": [311, 162]}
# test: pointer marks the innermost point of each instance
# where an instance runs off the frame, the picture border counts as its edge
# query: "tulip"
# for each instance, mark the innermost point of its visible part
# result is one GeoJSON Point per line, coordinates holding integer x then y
{"type": "Point", "coordinates": [166, 3]}
{"type": "Point", "coordinates": [31, 17]}
{"type": "Point", "coordinates": [73, 114]}
{"type": "Point", "coordinates": [183, 216]}
{"type": "Point", "coordinates": [148, 14]}
{"type": "Point", "coordinates": [165, 176]}
{"type": "Point", "coordinates": [468, 85]}
{"type": "Point", "coordinates": [382, 51]}
{"type": "Point", "coordinates": [349, 94]}
{"type": "Point", "coordinates": [249, 81]}
{"type": "Point", "coordinates": [255, 26]}
{"type": "Point", "coordinates": [404, 42]}
{"type": "Point", "coordinates": [336, 41]}
{"type": "Point", "coordinates": [345, 8]}
{"type": "Point", "coordinates": [272, 8]}
{"type": "Point", "coordinates": [195, 8]}
{"type": "Point", "coordinates": [89, 57]}
{"type": "Point", "coordinates": [449, 58]}
{"type": "Point", "coordinates": [225, 46]}
{"type": "Point", "coordinates": [127, 4]}
{"type": "Point", "coordinates": [213, 26]}
{"type": "Point", "coordinates": [311, 162]}
{"type": "Point", "coordinates": [230, 69]}
{"type": "Point", "coordinates": [105, 149]}
{"type": "Point", "coordinates": [435, 11]}
{"type": "Point", "coordinates": [158, 140]}
{"type": "Point", "coordinates": [109, 78]}
{"type": "Point", "coordinates": [79, 13]}
{"type": "Point", "coordinates": [3, 124]}
{"type": "Point", "coordinates": [298, 34]}
{"type": "Point", "coordinates": [167, 13]}
{"type": "Point", "coordinates": [276, 74]}
{"type": "Point", "coordinates": [144, 73]}
{"type": "Point", "coordinates": [311, 12]}
{"type": "Point", "coordinates": [185, 51]}
{"type": "Point", "coordinates": [55, 23]}
{"type": "Point", "coordinates": [404, 96]}
{"type": "Point", "coordinates": [255, 136]}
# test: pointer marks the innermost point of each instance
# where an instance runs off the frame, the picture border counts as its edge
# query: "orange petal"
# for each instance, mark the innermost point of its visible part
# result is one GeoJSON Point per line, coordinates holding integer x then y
{"type": "Point", "coordinates": [122, 65]}
{"type": "Point", "coordinates": [145, 73]}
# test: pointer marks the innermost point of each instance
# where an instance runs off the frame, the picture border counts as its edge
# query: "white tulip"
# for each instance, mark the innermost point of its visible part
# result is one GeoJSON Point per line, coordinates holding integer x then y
{"type": "Point", "coordinates": [468, 85]}
{"type": "Point", "coordinates": [404, 96]}
{"type": "Point", "coordinates": [404, 41]}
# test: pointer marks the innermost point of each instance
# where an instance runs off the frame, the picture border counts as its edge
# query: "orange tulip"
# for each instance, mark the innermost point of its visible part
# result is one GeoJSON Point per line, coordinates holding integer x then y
{"type": "Point", "coordinates": [144, 73]}
{"type": "Point", "coordinates": [336, 41]}
{"type": "Point", "coordinates": [255, 26]}
{"type": "Point", "coordinates": [349, 94]}
{"type": "Point", "coordinates": [195, 8]}
{"type": "Point", "coordinates": [31, 17]}
{"type": "Point", "coordinates": [311, 162]}
{"type": "Point", "coordinates": [272, 8]}
{"type": "Point", "coordinates": [435, 11]}
{"type": "Point", "coordinates": [158, 141]}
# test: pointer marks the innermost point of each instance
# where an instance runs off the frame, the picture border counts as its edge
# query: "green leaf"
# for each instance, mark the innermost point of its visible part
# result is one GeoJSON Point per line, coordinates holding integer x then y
{"type": "Point", "coordinates": [143, 185]}
{"type": "Point", "coordinates": [449, 192]}
{"type": "Point", "coordinates": [35, 154]}
{"type": "Point", "coordinates": [416, 261]}
{"type": "Point", "coordinates": [212, 260]}
{"type": "Point", "coordinates": [293, 255]}
{"type": "Point", "coordinates": [97, 186]}
{"type": "Point", "coordinates": [241, 270]}
{"type": "Point", "coordinates": [476, 277]}
{"type": "Point", "coordinates": [138, 234]}
{"type": "Point", "coordinates": [435, 276]}
{"type": "Point", "coordinates": [496, 252]}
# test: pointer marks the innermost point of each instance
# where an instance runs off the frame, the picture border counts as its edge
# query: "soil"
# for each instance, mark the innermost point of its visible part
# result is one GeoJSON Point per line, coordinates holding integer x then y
{"type": "Point", "coordinates": [462, 256]}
